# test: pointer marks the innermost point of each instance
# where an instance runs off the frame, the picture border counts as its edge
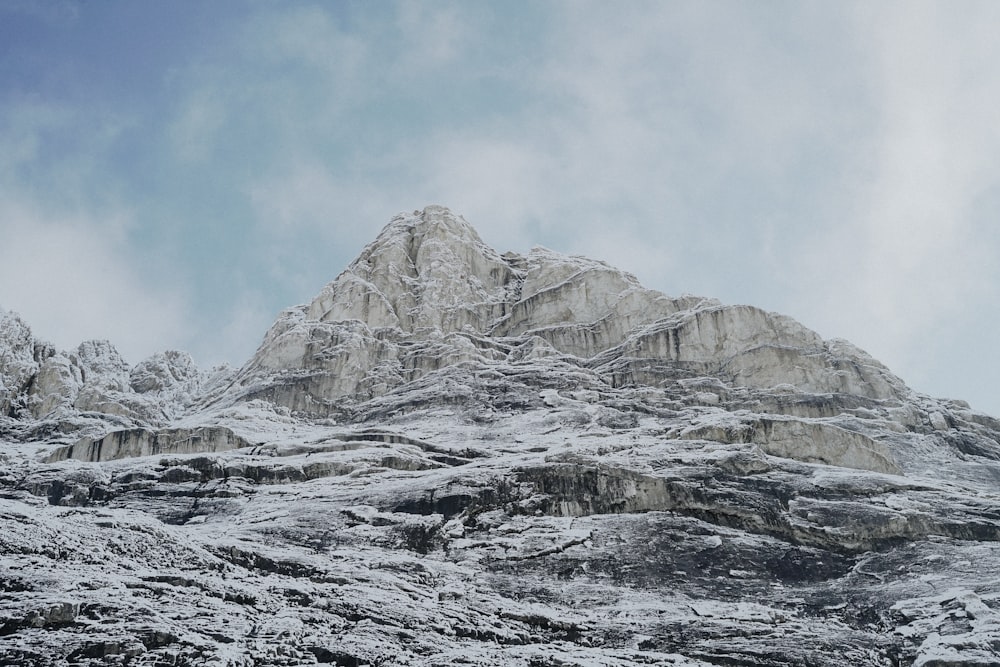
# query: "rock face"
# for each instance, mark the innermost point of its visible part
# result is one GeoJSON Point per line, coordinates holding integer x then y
{"type": "Point", "coordinates": [429, 294]}
{"type": "Point", "coordinates": [452, 456]}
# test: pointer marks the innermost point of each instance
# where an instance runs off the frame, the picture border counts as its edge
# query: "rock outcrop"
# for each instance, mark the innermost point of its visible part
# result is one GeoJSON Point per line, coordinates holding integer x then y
{"type": "Point", "coordinates": [19, 362]}
{"type": "Point", "coordinates": [41, 383]}
{"type": "Point", "coordinates": [455, 456]}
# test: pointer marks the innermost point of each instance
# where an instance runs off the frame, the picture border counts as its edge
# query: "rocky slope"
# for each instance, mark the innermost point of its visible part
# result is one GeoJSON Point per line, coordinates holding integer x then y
{"type": "Point", "coordinates": [453, 456]}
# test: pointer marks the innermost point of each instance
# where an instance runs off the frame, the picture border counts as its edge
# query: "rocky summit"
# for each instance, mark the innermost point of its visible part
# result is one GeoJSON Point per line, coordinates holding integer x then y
{"type": "Point", "coordinates": [453, 456]}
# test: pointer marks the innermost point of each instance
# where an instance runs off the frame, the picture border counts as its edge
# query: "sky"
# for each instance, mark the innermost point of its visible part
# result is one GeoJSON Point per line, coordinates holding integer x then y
{"type": "Point", "coordinates": [173, 175]}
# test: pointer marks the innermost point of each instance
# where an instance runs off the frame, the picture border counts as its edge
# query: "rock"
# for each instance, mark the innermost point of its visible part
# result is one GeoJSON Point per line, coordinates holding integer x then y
{"type": "Point", "coordinates": [428, 293]}
{"type": "Point", "coordinates": [455, 456]}
{"type": "Point", "coordinates": [19, 361]}
{"type": "Point", "coordinates": [144, 442]}
{"type": "Point", "coordinates": [163, 371]}
{"type": "Point", "coordinates": [423, 271]}
{"type": "Point", "coordinates": [38, 381]}
{"type": "Point", "coordinates": [938, 422]}
{"type": "Point", "coordinates": [56, 386]}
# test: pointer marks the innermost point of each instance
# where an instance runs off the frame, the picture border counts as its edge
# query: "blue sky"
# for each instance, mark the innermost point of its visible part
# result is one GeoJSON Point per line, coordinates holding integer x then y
{"type": "Point", "coordinates": [174, 174]}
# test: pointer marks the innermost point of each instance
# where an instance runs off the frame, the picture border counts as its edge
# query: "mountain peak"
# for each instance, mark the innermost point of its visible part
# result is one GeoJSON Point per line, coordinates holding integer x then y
{"type": "Point", "coordinates": [428, 294]}
{"type": "Point", "coordinates": [425, 269]}
{"type": "Point", "coordinates": [436, 224]}
{"type": "Point", "coordinates": [432, 215]}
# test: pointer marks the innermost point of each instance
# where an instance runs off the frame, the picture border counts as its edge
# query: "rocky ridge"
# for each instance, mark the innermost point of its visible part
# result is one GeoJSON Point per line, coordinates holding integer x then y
{"type": "Point", "coordinates": [452, 456]}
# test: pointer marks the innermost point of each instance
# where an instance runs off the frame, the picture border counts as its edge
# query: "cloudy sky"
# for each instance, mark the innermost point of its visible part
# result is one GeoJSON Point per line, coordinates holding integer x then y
{"type": "Point", "coordinates": [174, 174]}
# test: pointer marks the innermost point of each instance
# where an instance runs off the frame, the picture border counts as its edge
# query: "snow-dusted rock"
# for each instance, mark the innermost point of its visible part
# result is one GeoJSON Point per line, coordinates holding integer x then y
{"type": "Point", "coordinates": [162, 372]}
{"type": "Point", "coordinates": [145, 442]}
{"type": "Point", "coordinates": [452, 456]}
{"type": "Point", "coordinates": [19, 361]}
{"type": "Point", "coordinates": [56, 386]}
{"type": "Point", "coordinates": [43, 383]}
{"type": "Point", "coordinates": [429, 269]}
{"type": "Point", "coordinates": [580, 305]}
{"type": "Point", "coordinates": [428, 293]}
{"type": "Point", "coordinates": [105, 379]}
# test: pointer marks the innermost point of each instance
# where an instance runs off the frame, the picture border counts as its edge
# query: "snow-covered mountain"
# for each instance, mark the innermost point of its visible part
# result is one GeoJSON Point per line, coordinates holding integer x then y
{"type": "Point", "coordinates": [452, 456]}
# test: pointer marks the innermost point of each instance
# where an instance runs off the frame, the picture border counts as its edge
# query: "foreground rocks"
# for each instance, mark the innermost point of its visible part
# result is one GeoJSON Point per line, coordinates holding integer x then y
{"type": "Point", "coordinates": [459, 457]}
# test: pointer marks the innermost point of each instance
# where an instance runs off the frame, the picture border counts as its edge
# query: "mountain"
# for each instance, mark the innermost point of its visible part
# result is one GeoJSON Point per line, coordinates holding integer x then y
{"type": "Point", "coordinates": [453, 456]}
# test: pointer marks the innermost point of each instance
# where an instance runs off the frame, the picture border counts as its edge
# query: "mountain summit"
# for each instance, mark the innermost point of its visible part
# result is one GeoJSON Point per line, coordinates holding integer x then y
{"type": "Point", "coordinates": [428, 293]}
{"type": "Point", "coordinates": [426, 270]}
{"type": "Point", "coordinates": [455, 456]}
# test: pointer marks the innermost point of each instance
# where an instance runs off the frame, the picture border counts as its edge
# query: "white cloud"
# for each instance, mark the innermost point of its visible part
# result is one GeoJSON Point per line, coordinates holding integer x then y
{"type": "Point", "coordinates": [435, 34]}
{"type": "Point", "coordinates": [66, 263]}
{"type": "Point", "coordinates": [202, 115]}
{"type": "Point", "coordinates": [23, 124]}
{"type": "Point", "coordinates": [56, 12]}
{"type": "Point", "coordinates": [634, 121]}
{"type": "Point", "coordinates": [303, 193]}
{"type": "Point", "coordinates": [494, 180]}
{"type": "Point", "coordinates": [72, 278]}
{"type": "Point", "coordinates": [243, 328]}
{"type": "Point", "coordinates": [298, 71]}
{"type": "Point", "coordinates": [918, 258]}
{"type": "Point", "coordinates": [303, 35]}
